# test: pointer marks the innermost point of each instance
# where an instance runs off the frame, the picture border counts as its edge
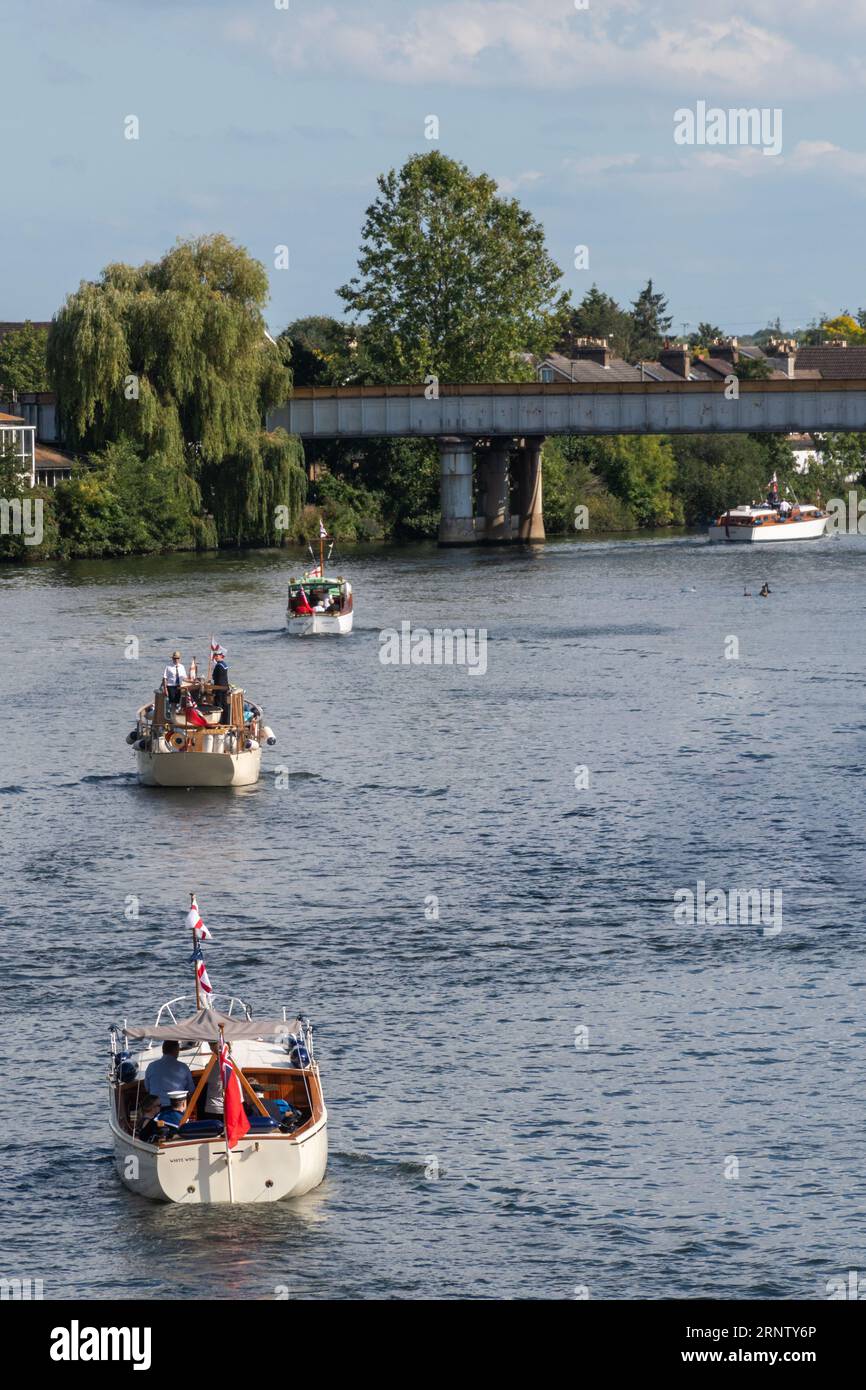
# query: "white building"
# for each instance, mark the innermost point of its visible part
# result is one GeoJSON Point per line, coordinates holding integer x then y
{"type": "Point", "coordinates": [16, 435]}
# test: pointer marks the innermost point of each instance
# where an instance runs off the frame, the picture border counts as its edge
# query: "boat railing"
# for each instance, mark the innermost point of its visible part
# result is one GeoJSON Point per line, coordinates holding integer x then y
{"type": "Point", "coordinates": [233, 1001]}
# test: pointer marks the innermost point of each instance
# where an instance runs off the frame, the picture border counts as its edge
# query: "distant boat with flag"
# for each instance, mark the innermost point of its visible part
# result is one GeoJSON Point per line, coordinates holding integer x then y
{"type": "Point", "coordinates": [777, 520]}
{"type": "Point", "coordinates": [319, 605]}
{"type": "Point", "coordinates": [208, 1104]}
{"type": "Point", "coordinates": [200, 732]}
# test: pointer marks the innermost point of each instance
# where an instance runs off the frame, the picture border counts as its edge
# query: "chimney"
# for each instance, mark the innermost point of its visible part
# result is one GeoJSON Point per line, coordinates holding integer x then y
{"type": "Point", "coordinates": [677, 358]}
{"type": "Point", "coordinates": [727, 352]}
{"type": "Point", "coordinates": [786, 350]}
{"type": "Point", "coordinates": [591, 350]}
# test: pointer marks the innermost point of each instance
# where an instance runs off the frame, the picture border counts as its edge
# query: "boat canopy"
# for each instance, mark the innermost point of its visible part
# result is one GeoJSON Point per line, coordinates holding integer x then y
{"type": "Point", "coordinates": [204, 1026]}
{"type": "Point", "coordinates": [312, 581]}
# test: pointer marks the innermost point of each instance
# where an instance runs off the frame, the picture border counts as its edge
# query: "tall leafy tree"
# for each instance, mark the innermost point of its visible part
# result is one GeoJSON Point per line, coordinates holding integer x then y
{"type": "Point", "coordinates": [651, 322]}
{"type": "Point", "coordinates": [597, 316]}
{"type": "Point", "coordinates": [322, 351]}
{"type": "Point", "coordinates": [173, 357]}
{"type": "Point", "coordinates": [704, 335]}
{"type": "Point", "coordinates": [454, 279]}
{"type": "Point", "coordinates": [22, 359]}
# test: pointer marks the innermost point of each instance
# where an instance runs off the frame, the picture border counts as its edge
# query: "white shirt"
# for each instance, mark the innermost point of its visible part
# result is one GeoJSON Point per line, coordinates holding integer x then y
{"type": "Point", "coordinates": [174, 674]}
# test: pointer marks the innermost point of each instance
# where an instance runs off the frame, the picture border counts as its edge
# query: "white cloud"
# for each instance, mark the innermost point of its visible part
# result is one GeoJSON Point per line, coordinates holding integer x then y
{"type": "Point", "coordinates": [525, 180]}
{"type": "Point", "coordinates": [546, 43]}
{"type": "Point", "coordinates": [591, 166]}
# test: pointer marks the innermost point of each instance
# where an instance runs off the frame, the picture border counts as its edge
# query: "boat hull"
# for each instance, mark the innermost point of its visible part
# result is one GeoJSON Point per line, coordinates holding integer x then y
{"type": "Point", "coordinates": [319, 624]}
{"type": "Point", "coordinates": [179, 769]}
{"type": "Point", "coordinates": [267, 1168]}
{"type": "Point", "coordinates": [789, 531]}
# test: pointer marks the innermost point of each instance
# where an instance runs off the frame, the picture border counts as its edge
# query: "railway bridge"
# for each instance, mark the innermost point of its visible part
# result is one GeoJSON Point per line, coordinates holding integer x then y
{"type": "Point", "coordinates": [499, 429]}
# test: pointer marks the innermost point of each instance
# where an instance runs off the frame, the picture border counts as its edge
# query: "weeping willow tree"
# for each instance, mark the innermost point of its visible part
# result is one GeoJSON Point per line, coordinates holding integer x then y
{"type": "Point", "coordinates": [173, 356]}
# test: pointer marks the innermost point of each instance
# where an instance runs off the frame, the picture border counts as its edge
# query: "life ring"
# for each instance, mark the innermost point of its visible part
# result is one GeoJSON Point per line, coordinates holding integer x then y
{"type": "Point", "coordinates": [177, 741]}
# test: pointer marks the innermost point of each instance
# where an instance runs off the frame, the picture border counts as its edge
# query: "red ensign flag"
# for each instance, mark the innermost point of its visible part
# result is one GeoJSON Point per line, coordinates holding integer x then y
{"type": "Point", "coordinates": [236, 1119]}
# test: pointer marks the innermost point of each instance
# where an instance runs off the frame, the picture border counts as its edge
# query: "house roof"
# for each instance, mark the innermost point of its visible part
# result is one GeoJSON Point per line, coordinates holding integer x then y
{"type": "Point", "coordinates": [830, 360]}
{"type": "Point", "coordinates": [53, 458]}
{"type": "Point", "coordinates": [583, 369]}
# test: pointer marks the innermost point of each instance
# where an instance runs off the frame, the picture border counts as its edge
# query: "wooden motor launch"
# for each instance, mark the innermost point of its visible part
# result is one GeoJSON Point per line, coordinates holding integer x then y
{"type": "Point", "coordinates": [208, 737]}
{"type": "Point", "coordinates": [320, 606]}
{"type": "Point", "coordinates": [253, 1126]}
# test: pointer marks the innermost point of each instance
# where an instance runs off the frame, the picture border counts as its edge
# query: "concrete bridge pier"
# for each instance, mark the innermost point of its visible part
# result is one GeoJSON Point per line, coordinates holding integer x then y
{"type": "Point", "coordinates": [456, 526]}
{"type": "Point", "coordinates": [529, 500]}
{"type": "Point", "coordinates": [494, 493]}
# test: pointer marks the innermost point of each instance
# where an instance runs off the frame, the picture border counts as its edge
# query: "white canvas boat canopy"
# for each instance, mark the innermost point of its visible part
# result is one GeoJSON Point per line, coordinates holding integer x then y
{"type": "Point", "coordinates": [204, 1026]}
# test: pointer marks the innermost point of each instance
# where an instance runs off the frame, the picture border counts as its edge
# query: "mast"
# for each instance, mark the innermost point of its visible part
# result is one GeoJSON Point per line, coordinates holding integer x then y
{"type": "Point", "coordinates": [321, 549]}
{"type": "Point", "coordinates": [194, 963]}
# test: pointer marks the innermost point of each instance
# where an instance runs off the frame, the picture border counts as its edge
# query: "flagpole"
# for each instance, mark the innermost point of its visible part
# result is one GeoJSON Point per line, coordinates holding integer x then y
{"type": "Point", "coordinates": [321, 549]}
{"type": "Point", "coordinates": [225, 1126]}
{"type": "Point", "coordinates": [195, 971]}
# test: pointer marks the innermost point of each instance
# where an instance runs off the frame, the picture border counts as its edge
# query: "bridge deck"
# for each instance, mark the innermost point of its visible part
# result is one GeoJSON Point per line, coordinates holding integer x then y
{"type": "Point", "coordinates": [524, 409]}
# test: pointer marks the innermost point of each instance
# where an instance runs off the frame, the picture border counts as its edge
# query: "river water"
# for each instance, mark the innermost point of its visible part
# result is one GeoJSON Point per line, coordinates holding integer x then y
{"type": "Point", "coordinates": [553, 1087]}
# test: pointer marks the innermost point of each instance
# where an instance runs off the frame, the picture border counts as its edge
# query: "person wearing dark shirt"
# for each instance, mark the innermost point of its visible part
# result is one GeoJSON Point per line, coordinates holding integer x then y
{"type": "Point", "coordinates": [220, 678]}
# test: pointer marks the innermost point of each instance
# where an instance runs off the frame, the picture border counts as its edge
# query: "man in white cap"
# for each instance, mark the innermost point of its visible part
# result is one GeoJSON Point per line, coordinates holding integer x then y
{"type": "Point", "coordinates": [220, 678]}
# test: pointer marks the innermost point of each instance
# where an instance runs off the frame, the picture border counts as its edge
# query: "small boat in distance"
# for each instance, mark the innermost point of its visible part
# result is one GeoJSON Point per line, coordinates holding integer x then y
{"type": "Point", "coordinates": [319, 606]}
{"type": "Point", "coordinates": [198, 733]}
{"type": "Point", "coordinates": [238, 1114]}
{"type": "Point", "coordinates": [767, 523]}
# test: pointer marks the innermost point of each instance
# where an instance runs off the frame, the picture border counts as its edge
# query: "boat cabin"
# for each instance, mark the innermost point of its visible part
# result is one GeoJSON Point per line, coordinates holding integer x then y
{"type": "Point", "coordinates": [280, 1083]}
{"type": "Point", "coordinates": [331, 596]}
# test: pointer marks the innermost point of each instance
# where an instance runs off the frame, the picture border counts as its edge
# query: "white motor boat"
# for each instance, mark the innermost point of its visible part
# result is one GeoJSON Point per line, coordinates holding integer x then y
{"type": "Point", "coordinates": [802, 523]}
{"type": "Point", "coordinates": [195, 743]}
{"type": "Point", "coordinates": [269, 1138]}
{"type": "Point", "coordinates": [319, 606]}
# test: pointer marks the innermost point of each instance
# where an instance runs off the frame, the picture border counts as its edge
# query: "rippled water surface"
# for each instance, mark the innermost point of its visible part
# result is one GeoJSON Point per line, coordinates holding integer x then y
{"type": "Point", "coordinates": [449, 1046]}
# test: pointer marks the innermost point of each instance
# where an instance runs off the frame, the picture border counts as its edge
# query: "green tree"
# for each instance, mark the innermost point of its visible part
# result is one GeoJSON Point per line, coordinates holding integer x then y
{"type": "Point", "coordinates": [173, 356]}
{"type": "Point", "coordinates": [22, 359]}
{"type": "Point", "coordinates": [323, 351]}
{"type": "Point", "coordinates": [597, 316]}
{"type": "Point", "coordinates": [752, 369]}
{"type": "Point", "coordinates": [704, 335]}
{"type": "Point", "coordinates": [24, 512]}
{"type": "Point", "coordinates": [651, 323]}
{"type": "Point", "coordinates": [454, 279]}
{"type": "Point", "coordinates": [716, 471]}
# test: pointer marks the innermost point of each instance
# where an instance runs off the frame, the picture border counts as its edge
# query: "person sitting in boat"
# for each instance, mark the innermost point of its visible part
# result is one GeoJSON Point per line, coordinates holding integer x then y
{"type": "Point", "coordinates": [173, 677]}
{"type": "Point", "coordinates": [220, 679]}
{"type": "Point", "coordinates": [166, 1074]}
{"type": "Point", "coordinates": [165, 1123]}
{"type": "Point", "coordinates": [213, 1096]}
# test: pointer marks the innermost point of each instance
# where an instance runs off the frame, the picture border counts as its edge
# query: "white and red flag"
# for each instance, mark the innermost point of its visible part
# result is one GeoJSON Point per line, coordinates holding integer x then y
{"type": "Point", "coordinates": [195, 924]}
{"type": "Point", "coordinates": [236, 1119]}
{"type": "Point", "coordinates": [322, 532]}
{"type": "Point", "coordinates": [204, 984]}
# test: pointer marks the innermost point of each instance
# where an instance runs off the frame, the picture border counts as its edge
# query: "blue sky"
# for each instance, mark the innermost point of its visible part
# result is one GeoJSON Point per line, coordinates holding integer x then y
{"type": "Point", "coordinates": [271, 125]}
